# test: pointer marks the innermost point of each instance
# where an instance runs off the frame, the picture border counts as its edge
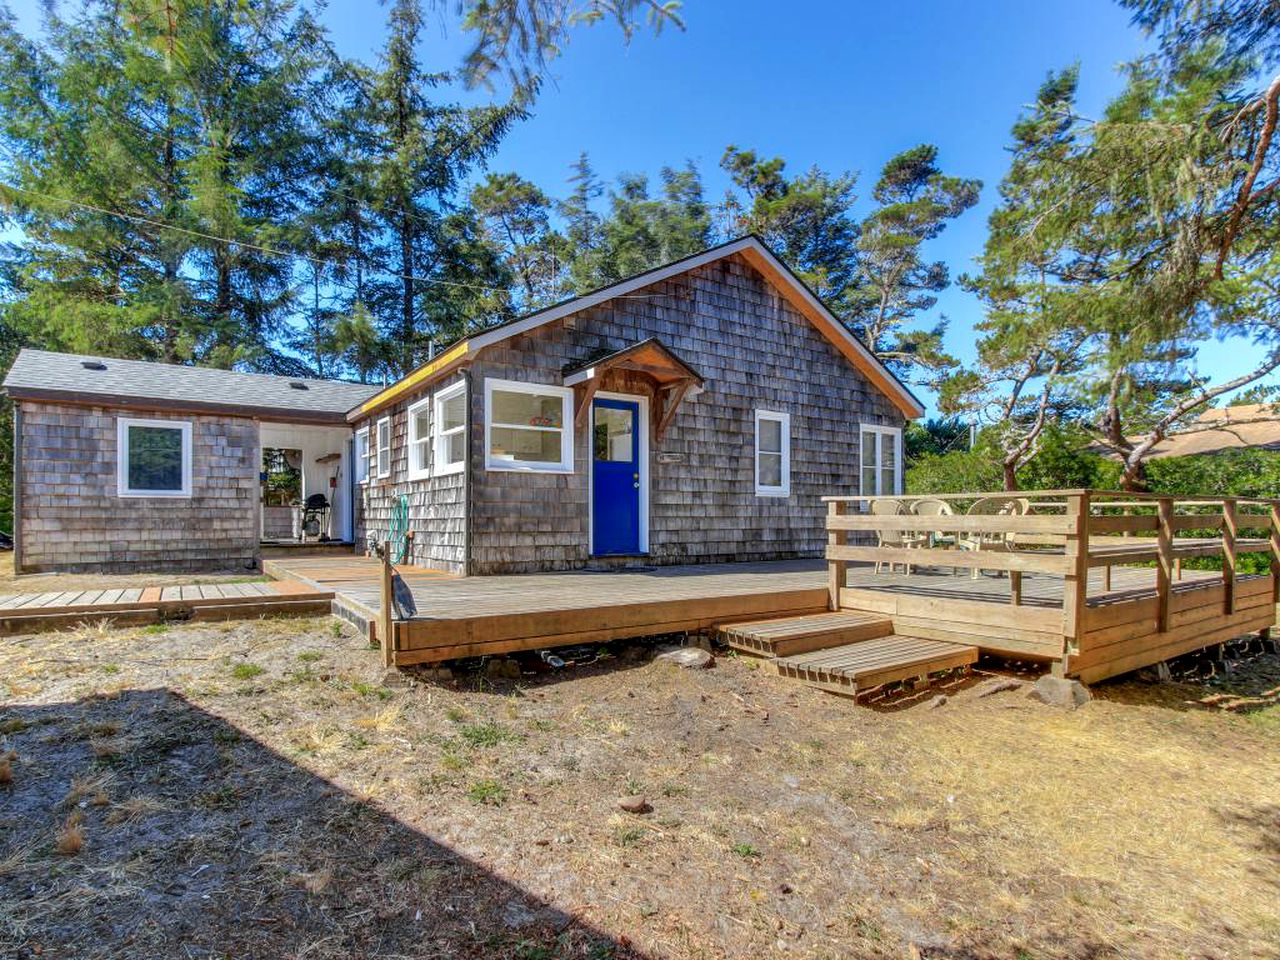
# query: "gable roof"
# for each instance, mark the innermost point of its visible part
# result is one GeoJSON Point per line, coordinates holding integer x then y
{"type": "Point", "coordinates": [80, 378]}
{"type": "Point", "coordinates": [750, 247]}
{"type": "Point", "coordinates": [1225, 428]}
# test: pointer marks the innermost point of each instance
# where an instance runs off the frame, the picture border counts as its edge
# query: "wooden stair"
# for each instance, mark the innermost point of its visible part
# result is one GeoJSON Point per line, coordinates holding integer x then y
{"type": "Point", "coordinates": [785, 636]}
{"type": "Point", "coordinates": [845, 651]}
{"type": "Point", "coordinates": [854, 668]}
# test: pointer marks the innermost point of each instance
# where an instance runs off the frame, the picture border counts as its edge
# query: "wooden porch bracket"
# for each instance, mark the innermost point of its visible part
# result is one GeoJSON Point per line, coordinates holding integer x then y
{"type": "Point", "coordinates": [673, 380]}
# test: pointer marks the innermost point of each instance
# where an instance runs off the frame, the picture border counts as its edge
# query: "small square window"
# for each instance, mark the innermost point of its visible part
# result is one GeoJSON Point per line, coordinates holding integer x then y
{"type": "Point", "coordinates": [154, 458]}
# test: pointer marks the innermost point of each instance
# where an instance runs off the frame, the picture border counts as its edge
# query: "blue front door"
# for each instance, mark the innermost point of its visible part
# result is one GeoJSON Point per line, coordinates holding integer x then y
{"type": "Point", "coordinates": [615, 483]}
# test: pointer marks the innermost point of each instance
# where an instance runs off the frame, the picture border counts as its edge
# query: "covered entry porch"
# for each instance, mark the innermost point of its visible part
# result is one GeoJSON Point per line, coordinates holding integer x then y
{"type": "Point", "coordinates": [306, 488]}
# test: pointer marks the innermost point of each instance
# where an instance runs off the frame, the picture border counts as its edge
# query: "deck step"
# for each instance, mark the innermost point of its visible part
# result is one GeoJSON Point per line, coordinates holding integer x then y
{"type": "Point", "coordinates": [857, 667]}
{"type": "Point", "coordinates": [785, 636]}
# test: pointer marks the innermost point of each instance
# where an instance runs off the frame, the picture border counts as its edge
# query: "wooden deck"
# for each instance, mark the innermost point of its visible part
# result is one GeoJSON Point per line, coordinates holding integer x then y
{"type": "Point", "coordinates": [30, 612]}
{"type": "Point", "coordinates": [1068, 583]}
{"type": "Point", "coordinates": [481, 616]}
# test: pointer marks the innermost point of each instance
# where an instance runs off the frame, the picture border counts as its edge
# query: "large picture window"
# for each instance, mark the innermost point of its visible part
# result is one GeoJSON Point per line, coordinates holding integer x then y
{"type": "Point", "coordinates": [420, 440]}
{"type": "Point", "coordinates": [154, 458]}
{"type": "Point", "coordinates": [451, 429]}
{"type": "Point", "coordinates": [528, 427]}
{"type": "Point", "coordinates": [773, 454]}
{"type": "Point", "coordinates": [881, 461]}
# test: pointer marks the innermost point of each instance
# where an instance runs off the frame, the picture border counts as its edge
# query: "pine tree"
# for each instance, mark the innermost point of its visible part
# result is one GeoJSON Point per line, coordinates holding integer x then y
{"type": "Point", "coordinates": [916, 201]}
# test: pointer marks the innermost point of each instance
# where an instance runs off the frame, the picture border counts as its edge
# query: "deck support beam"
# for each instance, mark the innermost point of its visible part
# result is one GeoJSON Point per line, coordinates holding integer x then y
{"type": "Point", "coordinates": [1229, 531]}
{"type": "Point", "coordinates": [837, 570]}
{"type": "Point", "coordinates": [1164, 562]}
{"type": "Point", "coordinates": [386, 613]}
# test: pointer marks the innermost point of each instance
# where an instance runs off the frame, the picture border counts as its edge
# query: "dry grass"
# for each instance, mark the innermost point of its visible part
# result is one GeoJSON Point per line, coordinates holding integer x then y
{"type": "Point", "coordinates": [356, 819]}
{"type": "Point", "coordinates": [70, 837]}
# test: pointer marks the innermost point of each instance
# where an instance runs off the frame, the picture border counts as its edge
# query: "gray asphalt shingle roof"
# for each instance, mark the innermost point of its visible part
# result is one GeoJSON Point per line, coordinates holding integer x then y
{"type": "Point", "coordinates": [41, 373]}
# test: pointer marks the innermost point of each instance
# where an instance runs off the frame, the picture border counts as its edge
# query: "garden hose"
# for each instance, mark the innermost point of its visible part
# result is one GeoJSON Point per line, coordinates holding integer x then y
{"type": "Point", "coordinates": [399, 532]}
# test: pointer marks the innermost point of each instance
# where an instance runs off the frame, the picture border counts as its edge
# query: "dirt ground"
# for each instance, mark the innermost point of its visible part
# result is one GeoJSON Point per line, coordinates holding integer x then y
{"type": "Point", "coordinates": [257, 790]}
{"type": "Point", "coordinates": [45, 582]}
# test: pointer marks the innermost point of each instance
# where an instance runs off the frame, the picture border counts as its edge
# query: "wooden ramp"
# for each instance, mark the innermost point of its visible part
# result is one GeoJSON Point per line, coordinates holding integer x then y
{"type": "Point", "coordinates": [845, 651]}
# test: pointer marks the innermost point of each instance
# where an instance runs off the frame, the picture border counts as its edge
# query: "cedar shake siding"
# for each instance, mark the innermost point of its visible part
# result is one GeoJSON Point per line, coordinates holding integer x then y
{"type": "Point", "coordinates": [437, 504]}
{"type": "Point", "coordinates": [74, 520]}
{"type": "Point", "coordinates": [754, 352]}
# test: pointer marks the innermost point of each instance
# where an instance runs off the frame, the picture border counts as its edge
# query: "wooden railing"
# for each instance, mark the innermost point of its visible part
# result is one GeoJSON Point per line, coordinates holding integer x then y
{"type": "Point", "coordinates": [1066, 534]}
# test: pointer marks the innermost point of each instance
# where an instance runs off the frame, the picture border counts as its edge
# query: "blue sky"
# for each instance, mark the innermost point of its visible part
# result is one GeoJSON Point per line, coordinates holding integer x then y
{"type": "Point", "coordinates": [843, 85]}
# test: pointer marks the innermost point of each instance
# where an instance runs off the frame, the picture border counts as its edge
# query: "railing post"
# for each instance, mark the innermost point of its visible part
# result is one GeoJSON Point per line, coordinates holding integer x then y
{"type": "Point", "coordinates": [837, 570]}
{"type": "Point", "coordinates": [1075, 583]}
{"type": "Point", "coordinates": [1275, 551]}
{"type": "Point", "coordinates": [386, 614]}
{"type": "Point", "coordinates": [1164, 561]}
{"type": "Point", "coordinates": [1229, 532]}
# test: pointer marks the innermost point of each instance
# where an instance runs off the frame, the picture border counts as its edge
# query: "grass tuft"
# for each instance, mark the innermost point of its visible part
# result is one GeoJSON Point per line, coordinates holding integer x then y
{"type": "Point", "coordinates": [247, 671]}
{"type": "Point", "coordinates": [487, 792]}
{"type": "Point", "coordinates": [70, 838]}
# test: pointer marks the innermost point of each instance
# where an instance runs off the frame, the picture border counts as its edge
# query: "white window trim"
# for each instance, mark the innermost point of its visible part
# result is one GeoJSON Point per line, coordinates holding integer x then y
{"type": "Point", "coordinates": [382, 474]}
{"type": "Point", "coordinates": [783, 489]}
{"type": "Point", "coordinates": [122, 457]}
{"type": "Point", "coordinates": [566, 429]}
{"type": "Point", "coordinates": [362, 456]}
{"type": "Point", "coordinates": [443, 468]}
{"type": "Point", "coordinates": [895, 433]}
{"type": "Point", "coordinates": [423, 472]}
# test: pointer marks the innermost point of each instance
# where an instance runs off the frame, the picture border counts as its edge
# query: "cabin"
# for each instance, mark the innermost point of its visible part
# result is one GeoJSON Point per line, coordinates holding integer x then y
{"type": "Point", "coordinates": [706, 432]}
{"type": "Point", "coordinates": [124, 466]}
{"type": "Point", "coordinates": [695, 413]}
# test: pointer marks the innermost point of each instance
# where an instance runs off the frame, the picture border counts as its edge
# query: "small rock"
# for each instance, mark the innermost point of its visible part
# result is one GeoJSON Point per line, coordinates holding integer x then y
{"type": "Point", "coordinates": [938, 701]}
{"type": "Point", "coordinates": [516, 915]}
{"type": "Point", "coordinates": [635, 804]}
{"type": "Point", "coordinates": [395, 680]}
{"type": "Point", "coordinates": [997, 685]}
{"type": "Point", "coordinates": [542, 842]}
{"type": "Point", "coordinates": [502, 668]}
{"type": "Point", "coordinates": [691, 658]}
{"type": "Point", "coordinates": [1059, 692]}
{"type": "Point", "coordinates": [564, 838]}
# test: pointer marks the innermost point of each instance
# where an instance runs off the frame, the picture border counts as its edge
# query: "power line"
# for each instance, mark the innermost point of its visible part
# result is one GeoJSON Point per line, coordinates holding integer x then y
{"type": "Point", "coordinates": [244, 244]}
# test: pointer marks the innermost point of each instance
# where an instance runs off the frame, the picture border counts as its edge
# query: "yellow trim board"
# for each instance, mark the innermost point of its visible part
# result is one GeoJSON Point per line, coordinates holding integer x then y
{"type": "Point", "coordinates": [451, 356]}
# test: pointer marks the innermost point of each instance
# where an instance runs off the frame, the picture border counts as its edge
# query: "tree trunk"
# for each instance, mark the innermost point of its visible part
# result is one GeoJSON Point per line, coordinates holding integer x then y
{"type": "Point", "coordinates": [1010, 470]}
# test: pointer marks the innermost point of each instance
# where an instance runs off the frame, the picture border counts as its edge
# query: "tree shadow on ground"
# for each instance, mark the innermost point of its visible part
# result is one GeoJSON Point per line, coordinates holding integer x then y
{"type": "Point", "coordinates": [200, 841]}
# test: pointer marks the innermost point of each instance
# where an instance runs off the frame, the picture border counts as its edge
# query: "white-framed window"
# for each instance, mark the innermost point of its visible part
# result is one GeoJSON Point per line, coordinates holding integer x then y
{"type": "Point", "coordinates": [420, 440]}
{"type": "Point", "coordinates": [881, 461]}
{"type": "Point", "coordinates": [362, 455]}
{"type": "Point", "coordinates": [773, 454]}
{"type": "Point", "coordinates": [451, 429]}
{"type": "Point", "coordinates": [153, 458]}
{"type": "Point", "coordinates": [383, 457]}
{"type": "Point", "coordinates": [528, 426]}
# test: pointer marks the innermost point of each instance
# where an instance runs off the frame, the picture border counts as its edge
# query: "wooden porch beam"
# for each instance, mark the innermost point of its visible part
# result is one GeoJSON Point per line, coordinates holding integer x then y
{"type": "Point", "coordinates": [670, 400]}
{"type": "Point", "coordinates": [586, 392]}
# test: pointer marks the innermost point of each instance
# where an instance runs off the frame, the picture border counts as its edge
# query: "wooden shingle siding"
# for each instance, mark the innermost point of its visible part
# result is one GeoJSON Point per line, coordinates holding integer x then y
{"type": "Point", "coordinates": [755, 352]}
{"type": "Point", "coordinates": [73, 519]}
{"type": "Point", "coordinates": [437, 504]}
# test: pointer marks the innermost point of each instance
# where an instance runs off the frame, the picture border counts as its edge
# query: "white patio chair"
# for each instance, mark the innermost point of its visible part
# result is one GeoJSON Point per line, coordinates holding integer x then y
{"type": "Point", "coordinates": [994, 507]}
{"type": "Point", "coordinates": [899, 539]}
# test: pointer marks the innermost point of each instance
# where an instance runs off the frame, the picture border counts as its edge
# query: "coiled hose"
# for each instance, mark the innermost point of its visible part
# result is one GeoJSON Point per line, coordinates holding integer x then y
{"type": "Point", "coordinates": [399, 532]}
